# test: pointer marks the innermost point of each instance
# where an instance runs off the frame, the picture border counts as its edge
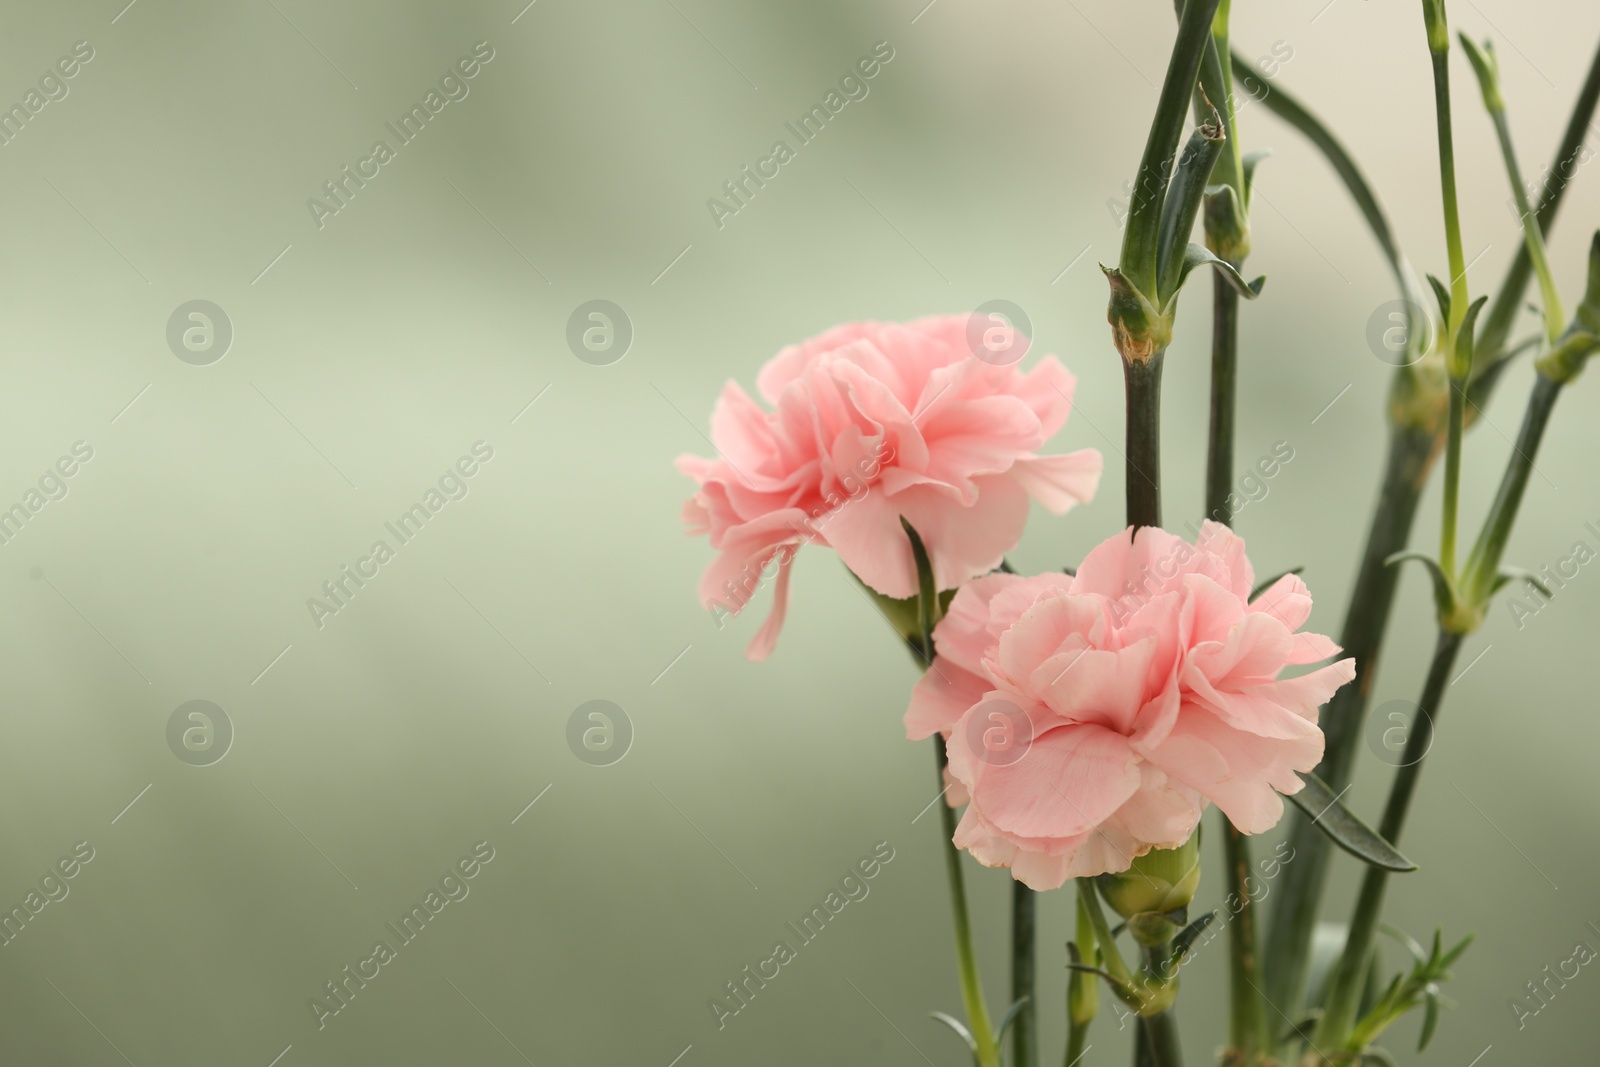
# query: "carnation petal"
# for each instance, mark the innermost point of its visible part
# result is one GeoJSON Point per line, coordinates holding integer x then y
{"type": "Point", "coordinates": [1059, 483]}
{"type": "Point", "coordinates": [1242, 773]}
{"type": "Point", "coordinates": [964, 541]}
{"type": "Point", "coordinates": [1070, 780]}
{"type": "Point", "coordinates": [941, 696]}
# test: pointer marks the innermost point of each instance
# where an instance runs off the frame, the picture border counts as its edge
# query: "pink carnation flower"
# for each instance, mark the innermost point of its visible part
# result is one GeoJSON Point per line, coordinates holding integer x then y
{"type": "Point", "coordinates": [874, 421]}
{"type": "Point", "coordinates": [1091, 719]}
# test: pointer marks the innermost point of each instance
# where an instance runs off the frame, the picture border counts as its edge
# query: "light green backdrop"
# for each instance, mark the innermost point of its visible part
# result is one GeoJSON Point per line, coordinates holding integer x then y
{"type": "Point", "coordinates": [372, 753]}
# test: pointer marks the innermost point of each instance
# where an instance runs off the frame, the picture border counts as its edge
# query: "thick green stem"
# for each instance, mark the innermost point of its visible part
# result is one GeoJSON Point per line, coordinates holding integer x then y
{"type": "Point", "coordinates": [1224, 375]}
{"type": "Point", "coordinates": [1159, 1031]}
{"type": "Point", "coordinates": [1142, 379]}
{"type": "Point", "coordinates": [1365, 623]}
{"type": "Point", "coordinates": [1024, 1032]}
{"type": "Point", "coordinates": [1344, 996]}
{"type": "Point", "coordinates": [1247, 1031]}
{"type": "Point", "coordinates": [1077, 1040]}
{"type": "Point", "coordinates": [988, 1054]}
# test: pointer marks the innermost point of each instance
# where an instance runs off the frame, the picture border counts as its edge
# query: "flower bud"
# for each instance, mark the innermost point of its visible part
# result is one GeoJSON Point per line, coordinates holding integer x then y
{"type": "Point", "coordinates": [1159, 883]}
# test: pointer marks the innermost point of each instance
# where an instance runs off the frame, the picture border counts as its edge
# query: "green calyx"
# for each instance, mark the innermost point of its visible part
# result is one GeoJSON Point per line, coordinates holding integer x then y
{"type": "Point", "coordinates": [1141, 326]}
{"type": "Point", "coordinates": [1582, 337]}
{"type": "Point", "coordinates": [1154, 893]}
{"type": "Point", "coordinates": [904, 616]}
{"type": "Point", "coordinates": [1438, 26]}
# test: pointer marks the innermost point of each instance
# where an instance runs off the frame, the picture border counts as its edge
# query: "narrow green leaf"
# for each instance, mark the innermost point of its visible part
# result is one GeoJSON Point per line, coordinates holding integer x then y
{"type": "Point", "coordinates": [1455, 953]}
{"type": "Point", "coordinates": [1412, 945]}
{"type": "Point", "coordinates": [961, 1031]}
{"type": "Point", "coordinates": [1186, 937]}
{"type": "Point", "coordinates": [1430, 1016]}
{"type": "Point", "coordinates": [1201, 256]}
{"type": "Point", "coordinates": [1251, 160]}
{"type": "Point", "coordinates": [1464, 339]}
{"type": "Point", "coordinates": [1009, 1018]}
{"type": "Point", "coordinates": [1442, 294]}
{"type": "Point", "coordinates": [1443, 594]}
{"type": "Point", "coordinates": [1347, 831]}
{"type": "Point", "coordinates": [1184, 195]}
{"type": "Point", "coordinates": [1290, 110]}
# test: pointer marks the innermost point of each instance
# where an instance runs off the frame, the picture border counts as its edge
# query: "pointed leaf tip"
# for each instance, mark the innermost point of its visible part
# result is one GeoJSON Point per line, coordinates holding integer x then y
{"type": "Point", "coordinates": [1348, 832]}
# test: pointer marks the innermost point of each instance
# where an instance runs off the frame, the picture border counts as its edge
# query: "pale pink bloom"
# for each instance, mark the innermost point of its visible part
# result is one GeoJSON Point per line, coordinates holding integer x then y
{"type": "Point", "coordinates": [1149, 685]}
{"type": "Point", "coordinates": [874, 421]}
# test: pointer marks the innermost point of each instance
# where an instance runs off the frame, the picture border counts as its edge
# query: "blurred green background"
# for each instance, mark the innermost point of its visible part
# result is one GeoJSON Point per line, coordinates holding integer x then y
{"type": "Point", "coordinates": [372, 753]}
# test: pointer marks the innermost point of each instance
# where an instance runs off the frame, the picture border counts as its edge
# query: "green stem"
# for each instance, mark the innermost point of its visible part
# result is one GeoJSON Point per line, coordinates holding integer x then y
{"type": "Point", "coordinates": [1339, 1012]}
{"type": "Point", "coordinates": [1406, 469]}
{"type": "Point", "coordinates": [1447, 183]}
{"type": "Point", "coordinates": [1366, 621]}
{"type": "Point", "coordinates": [1502, 312]}
{"type": "Point", "coordinates": [1224, 375]}
{"type": "Point", "coordinates": [1452, 476]}
{"type": "Point", "coordinates": [1077, 1039]}
{"type": "Point", "coordinates": [1110, 959]}
{"type": "Point", "coordinates": [1439, 50]}
{"type": "Point", "coordinates": [1483, 563]}
{"type": "Point", "coordinates": [1083, 995]}
{"type": "Point", "coordinates": [1230, 168]}
{"type": "Point", "coordinates": [1024, 1034]}
{"type": "Point", "coordinates": [1160, 1030]}
{"type": "Point", "coordinates": [1248, 1032]}
{"type": "Point", "coordinates": [988, 1054]}
{"type": "Point", "coordinates": [1142, 379]}
{"type": "Point", "coordinates": [1554, 317]}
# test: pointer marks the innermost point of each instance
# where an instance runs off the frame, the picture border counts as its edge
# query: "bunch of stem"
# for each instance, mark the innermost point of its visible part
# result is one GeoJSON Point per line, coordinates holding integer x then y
{"type": "Point", "coordinates": [1412, 446]}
